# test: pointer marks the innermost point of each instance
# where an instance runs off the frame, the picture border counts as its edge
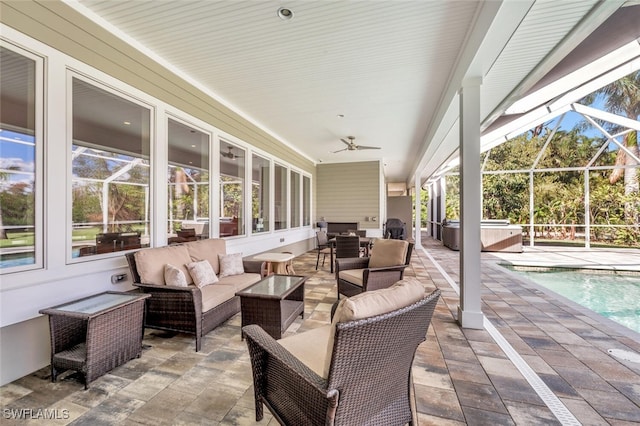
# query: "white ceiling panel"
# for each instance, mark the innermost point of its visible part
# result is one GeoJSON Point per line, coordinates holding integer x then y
{"type": "Point", "coordinates": [385, 65]}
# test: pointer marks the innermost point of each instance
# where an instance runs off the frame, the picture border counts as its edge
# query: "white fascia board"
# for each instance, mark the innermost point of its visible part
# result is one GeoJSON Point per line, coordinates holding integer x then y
{"type": "Point", "coordinates": [578, 77]}
{"type": "Point", "coordinates": [597, 83]}
{"type": "Point", "coordinates": [493, 27]}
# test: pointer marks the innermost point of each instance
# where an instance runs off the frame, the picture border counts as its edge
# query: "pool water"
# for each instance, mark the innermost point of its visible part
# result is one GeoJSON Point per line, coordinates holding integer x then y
{"type": "Point", "coordinates": [611, 295]}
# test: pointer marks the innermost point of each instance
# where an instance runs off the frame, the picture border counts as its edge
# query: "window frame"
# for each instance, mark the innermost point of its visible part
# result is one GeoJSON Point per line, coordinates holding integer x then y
{"type": "Point", "coordinates": [40, 89]}
{"type": "Point", "coordinates": [151, 225]}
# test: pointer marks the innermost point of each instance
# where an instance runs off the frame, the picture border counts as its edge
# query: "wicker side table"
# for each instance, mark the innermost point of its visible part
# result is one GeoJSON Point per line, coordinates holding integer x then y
{"type": "Point", "coordinates": [95, 334]}
{"type": "Point", "coordinates": [273, 303]}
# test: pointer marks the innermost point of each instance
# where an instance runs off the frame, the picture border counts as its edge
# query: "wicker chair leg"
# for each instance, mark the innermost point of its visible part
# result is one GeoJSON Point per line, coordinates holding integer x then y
{"type": "Point", "coordinates": [259, 410]}
{"type": "Point", "coordinates": [198, 343]}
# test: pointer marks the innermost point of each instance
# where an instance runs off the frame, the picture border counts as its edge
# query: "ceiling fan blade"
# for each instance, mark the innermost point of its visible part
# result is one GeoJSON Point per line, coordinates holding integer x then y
{"type": "Point", "coordinates": [340, 150]}
{"type": "Point", "coordinates": [367, 147]}
{"type": "Point", "coordinates": [348, 143]}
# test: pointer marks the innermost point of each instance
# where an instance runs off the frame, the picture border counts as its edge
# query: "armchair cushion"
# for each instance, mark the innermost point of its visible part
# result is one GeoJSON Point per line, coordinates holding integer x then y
{"type": "Point", "coordinates": [305, 346]}
{"type": "Point", "coordinates": [388, 253]}
{"type": "Point", "coordinates": [354, 276]}
{"type": "Point", "coordinates": [371, 303]}
{"type": "Point", "coordinates": [150, 263]}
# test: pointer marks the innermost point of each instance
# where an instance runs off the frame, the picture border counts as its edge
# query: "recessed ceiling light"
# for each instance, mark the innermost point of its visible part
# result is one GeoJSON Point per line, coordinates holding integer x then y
{"type": "Point", "coordinates": [341, 115]}
{"type": "Point", "coordinates": [193, 146]}
{"type": "Point", "coordinates": [285, 14]}
{"type": "Point", "coordinates": [128, 123]}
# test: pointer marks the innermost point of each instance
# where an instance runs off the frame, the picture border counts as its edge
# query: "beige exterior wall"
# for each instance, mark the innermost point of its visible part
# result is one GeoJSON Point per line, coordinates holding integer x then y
{"type": "Point", "coordinates": [349, 192]}
{"type": "Point", "coordinates": [61, 27]}
{"type": "Point", "coordinates": [25, 343]}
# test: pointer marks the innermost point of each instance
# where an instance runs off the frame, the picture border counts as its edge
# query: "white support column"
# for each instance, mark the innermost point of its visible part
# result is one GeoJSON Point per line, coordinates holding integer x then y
{"type": "Point", "coordinates": [470, 312]}
{"type": "Point", "coordinates": [442, 205]}
{"type": "Point", "coordinates": [587, 209]}
{"type": "Point", "coordinates": [418, 210]}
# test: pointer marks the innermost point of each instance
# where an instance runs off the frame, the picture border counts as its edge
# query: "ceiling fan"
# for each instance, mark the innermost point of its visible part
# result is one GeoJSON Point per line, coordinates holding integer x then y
{"type": "Point", "coordinates": [230, 154]}
{"type": "Point", "coordinates": [352, 146]}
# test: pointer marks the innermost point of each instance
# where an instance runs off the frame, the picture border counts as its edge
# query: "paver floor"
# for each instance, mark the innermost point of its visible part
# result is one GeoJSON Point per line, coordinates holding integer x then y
{"type": "Point", "coordinates": [461, 376]}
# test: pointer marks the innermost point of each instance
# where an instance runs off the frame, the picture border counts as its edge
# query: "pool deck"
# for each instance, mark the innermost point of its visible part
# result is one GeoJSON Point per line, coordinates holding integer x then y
{"type": "Point", "coordinates": [618, 259]}
{"type": "Point", "coordinates": [564, 345]}
{"type": "Point", "coordinates": [461, 376]}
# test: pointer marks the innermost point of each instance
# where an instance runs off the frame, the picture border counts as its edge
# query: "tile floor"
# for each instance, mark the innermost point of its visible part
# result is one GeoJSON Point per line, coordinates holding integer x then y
{"type": "Point", "coordinates": [461, 375]}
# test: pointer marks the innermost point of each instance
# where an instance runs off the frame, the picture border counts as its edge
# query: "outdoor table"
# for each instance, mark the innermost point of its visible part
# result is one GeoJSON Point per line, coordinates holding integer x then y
{"type": "Point", "coordinates": [273, 303]}
{"type": "Point", "coordinates": [95, 334]}
{"type": "Point", "coordinates": [277, 263]}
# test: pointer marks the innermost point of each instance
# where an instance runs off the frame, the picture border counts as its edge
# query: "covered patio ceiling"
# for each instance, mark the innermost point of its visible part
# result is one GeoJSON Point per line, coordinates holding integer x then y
{"type": "Point", "coordinates": [385, 72]}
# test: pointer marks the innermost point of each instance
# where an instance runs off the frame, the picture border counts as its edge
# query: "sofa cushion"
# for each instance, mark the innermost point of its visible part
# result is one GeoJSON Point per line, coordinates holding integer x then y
{"type": "Point", "coordinates": [371, 303]}
{"type": "Point", "coordinates": [354, 276]}
{"type": "Point", "coordinates": [230, 264]}
{"type": "Point", "coordinates": [202, 273]}
{"type": "Point", "coordinates": [240, 282]}
{"type": "Point", "coordinates": [207, 249]}
{"type": "Point", "coordinates": [304, 346]}
{"type": "Point", "coordinates": [214, 295]}
{"type": "Point", "coordinates": [150, 263]}
{"type": "Point", "coordinates": [174, 276]}
{"type": "Point", "coordinates": [388, 253]}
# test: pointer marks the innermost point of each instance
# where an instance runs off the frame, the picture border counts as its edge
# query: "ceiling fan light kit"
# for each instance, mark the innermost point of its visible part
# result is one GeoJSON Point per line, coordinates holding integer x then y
{"type": "Point", "coordinates": [352, 146]}
{"type": "Point", "coordinates": [229, 154]}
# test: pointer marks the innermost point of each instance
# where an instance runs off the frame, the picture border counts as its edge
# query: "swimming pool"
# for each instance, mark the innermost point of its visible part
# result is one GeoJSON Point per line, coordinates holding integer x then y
{"type": "Point", "coordinates": [615, 296]}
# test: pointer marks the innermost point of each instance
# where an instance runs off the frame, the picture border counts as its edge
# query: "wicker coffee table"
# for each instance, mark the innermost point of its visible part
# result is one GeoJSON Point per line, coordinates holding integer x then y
{"type": "Point", "coordinates": [273, 303]}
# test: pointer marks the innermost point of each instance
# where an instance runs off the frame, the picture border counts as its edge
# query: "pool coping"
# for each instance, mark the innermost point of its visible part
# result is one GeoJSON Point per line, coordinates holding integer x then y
{"type": "Point", "coordinates": [618, 328]}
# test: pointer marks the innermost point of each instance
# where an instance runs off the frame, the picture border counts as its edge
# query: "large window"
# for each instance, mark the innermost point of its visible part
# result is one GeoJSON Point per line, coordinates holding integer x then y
{"type": "Point", "coordinates": [232, 169]}
{"type": "Point", "coordinates": [188, 184]}
{"type": "Point", "coordinates": [295, 199]}
{"type": "Point", "coordinates": [280, 197]}
{"type": "Point", "coordinates": [20, 147]}
{"type": "Point", "coordinates": [110, 167]}
{"type": "Point", "coordinates": [306, 201]}
{"type": "Point", "coordinates": [260, 169]}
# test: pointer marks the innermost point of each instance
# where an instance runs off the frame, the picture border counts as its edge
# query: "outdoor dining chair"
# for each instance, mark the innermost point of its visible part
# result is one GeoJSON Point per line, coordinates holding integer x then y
{"type": "Point", "coordinates": [322, 246]}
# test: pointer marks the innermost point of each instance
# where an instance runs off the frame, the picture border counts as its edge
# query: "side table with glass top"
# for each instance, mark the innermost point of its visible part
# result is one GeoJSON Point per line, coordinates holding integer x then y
{"type": "Point", "coordinates": [95, 334]}
{"type": "Point", "coordinates": [273, 303]}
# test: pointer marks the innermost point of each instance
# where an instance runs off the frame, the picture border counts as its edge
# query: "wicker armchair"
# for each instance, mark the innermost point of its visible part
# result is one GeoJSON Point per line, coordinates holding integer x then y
{"type": "Point", "coordinates": [368, 376]}
{"type": "Point", "coordinates": [382, 269]}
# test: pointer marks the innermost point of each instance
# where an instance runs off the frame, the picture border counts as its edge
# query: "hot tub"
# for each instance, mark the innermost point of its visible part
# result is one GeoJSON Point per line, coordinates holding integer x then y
{"type": "Point", "coordinates": [495, 235]}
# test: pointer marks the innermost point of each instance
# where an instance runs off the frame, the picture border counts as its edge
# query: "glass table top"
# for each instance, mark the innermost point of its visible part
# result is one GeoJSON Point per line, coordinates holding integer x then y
{"type": "Point", "coordinates": [96, 303]}
{"type": "Point", "coordinates": [274, 285]}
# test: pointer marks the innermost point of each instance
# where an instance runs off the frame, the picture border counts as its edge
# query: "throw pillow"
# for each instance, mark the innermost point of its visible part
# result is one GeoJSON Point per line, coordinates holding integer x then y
{"type": "Point", "coordinates": [174, 276]}
{"type": "Point", "coordinates": [231, 264]}
{"type": "Point", "coordinates": [202, 273]}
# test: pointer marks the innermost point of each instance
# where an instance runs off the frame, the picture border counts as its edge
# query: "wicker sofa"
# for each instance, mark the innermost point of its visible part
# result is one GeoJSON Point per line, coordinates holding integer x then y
{"type": "Point", "coordinates": [189, 309]}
